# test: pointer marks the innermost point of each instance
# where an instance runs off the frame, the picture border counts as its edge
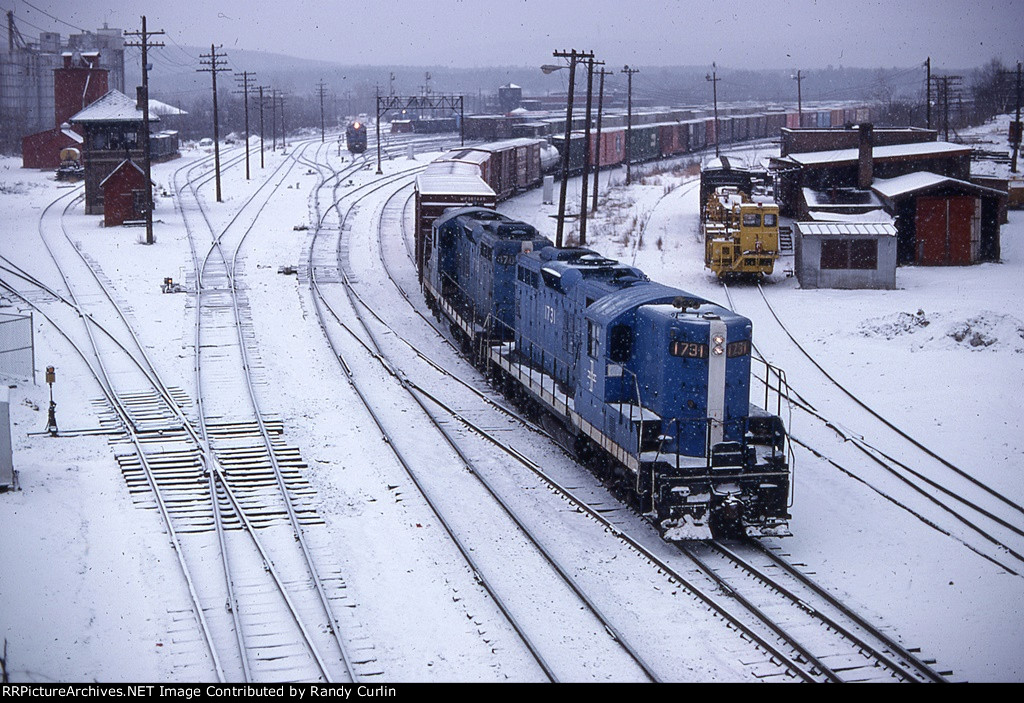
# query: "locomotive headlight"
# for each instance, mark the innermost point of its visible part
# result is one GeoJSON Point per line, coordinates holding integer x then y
{"type": "Point", "coordinates": [717, 351]}
{"type": "Point", "coordinates": [718, 339]}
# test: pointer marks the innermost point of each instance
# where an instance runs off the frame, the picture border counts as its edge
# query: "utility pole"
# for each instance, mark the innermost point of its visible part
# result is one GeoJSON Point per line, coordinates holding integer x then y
{"type": "Point", "coordinates": [284, 131]}
{"type": "Point", "coordinates": [943, 86]}
{"type": "Point", "coordinates": [380, 171]}
{"type": "Point", "coordinates": [244, 82]}
{"type": "Point", "coordinates": [586, 151]}
{"type": "Point", "coordinates": [273, 119]}
{"type": "Point", "coordinates": [261, 125]}
{"type": "Point", "coordinates": [600, 105]}
{"type": "Point", "coordinates": [391, 84]}
{"type": "Point", "coordinates": [320, 89]}
{"type": "Point", "coordinates": [928, 98]}
{"type": "Point", "coordinates": [1017, 126]}
{"type": "Point", "coordinates": [573, 57]}
{"type": "Point", "coordinates": [799, 78]}
{"type": "Point", "coordinates": [713, 77]}
{"type": "Point", "coordinates": [145, 44]}
{"type": "Point", "coordinates": [629, 119]}
{"type": "Point", "coordinates": [214, 64]}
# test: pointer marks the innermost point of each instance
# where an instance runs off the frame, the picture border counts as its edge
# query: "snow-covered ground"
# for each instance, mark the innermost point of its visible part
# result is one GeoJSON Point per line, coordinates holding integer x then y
{"type": "Point", "coordinates": [942, 356]}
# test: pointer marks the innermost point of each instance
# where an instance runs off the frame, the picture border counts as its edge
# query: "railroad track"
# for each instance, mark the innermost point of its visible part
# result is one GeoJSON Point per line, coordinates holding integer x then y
{"type": "Point", "coordinates": [939, 493]}
{"type": "Point", "coordinates": [303, 637]}
{"type": "Point", "coordinates": [785, 661]}
{"type": "Point", "coordinates": [846, 648]}
{"type": "Point", "coordinates": [212, 491]}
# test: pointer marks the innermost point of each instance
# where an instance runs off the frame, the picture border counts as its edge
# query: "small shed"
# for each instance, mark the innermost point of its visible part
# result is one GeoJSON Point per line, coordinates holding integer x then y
{"type": "Point", "coordinates": [942, 220]}
{"type": "Point", "coordinates": [124, 194]}
{"type": "Point", "coordinates": [846, 254]}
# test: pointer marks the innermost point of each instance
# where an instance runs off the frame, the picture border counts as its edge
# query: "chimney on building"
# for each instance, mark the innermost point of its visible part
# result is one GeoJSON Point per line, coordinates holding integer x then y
{"type": "Point", "coordinates": [865, 163]}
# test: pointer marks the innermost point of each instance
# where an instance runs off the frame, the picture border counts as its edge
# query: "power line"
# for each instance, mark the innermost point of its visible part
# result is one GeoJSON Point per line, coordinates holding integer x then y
{"type": "Point", "coordinates": [58, 19]}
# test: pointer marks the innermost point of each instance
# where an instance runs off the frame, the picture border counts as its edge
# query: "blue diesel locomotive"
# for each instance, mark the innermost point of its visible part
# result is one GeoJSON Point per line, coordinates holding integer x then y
{"type": "Point", "coordinates": [355, 137]}
{"type": "Point", "coordinates": [645, 383]}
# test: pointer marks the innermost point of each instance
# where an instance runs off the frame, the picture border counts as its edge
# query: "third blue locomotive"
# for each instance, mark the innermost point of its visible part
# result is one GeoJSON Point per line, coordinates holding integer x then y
{"type": "Point", "coordinates": [355, 137]}
{"type": "Point", "coordinates": [645, 383]}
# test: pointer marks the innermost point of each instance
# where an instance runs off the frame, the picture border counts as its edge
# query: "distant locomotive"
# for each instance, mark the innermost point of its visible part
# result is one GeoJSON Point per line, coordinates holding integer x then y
{"type": "Point", "coordinates": [645, 383]}
{"type": "Point", "coordinates": [741, 229]}
{"type": "Point", "coordinates": [355, 137]}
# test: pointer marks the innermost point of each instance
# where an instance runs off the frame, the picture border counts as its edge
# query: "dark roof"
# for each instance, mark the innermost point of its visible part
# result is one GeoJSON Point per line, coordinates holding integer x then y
{"type": "Point", "coordinates": [119, 167]}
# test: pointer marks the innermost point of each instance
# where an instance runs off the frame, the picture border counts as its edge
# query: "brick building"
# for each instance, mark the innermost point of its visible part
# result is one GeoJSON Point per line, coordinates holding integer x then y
{"type": "Point", "coordinates": [79, 82]}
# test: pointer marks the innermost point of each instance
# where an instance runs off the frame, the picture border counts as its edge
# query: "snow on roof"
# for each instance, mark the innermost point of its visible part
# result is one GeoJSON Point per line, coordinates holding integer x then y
{"type": "Point", "coordinates": [73, 135]}
{"type": "Point", "coordinates": [871, 216]}
{"type": "Point", "coordinates": [921, 180]}
{"type": "Point", "coordinates": [853, 229]}
{"type": "Point", "coordinates": [161, 108]}
{"type": "Point", "coordinates": [459, 168]}
{"type": "Point", "coordinates": [895, 151]}
{"type": "Point", "coordinates": [115, 106]}
{"type": "Point", "coordinates": [844, 198]}
{"type": "Point", "coordinates": [457, 184]}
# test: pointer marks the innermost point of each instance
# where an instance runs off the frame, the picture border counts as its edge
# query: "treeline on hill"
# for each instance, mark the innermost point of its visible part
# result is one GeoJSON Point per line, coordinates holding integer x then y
{"type": "Point", "coordinates": [351, 91]}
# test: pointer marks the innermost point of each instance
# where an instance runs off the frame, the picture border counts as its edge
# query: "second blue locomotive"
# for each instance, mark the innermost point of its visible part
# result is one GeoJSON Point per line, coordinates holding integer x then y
{"type": "Point", "coordinates": [644, 382]}
{"type": "Point", "coordinates": [355, 137]}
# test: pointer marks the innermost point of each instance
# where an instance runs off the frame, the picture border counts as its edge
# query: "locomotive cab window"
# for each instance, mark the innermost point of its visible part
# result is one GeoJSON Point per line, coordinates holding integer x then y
{"type": "Point", "coordinates": [752, 220]}
{"type": "Point", "coordinates": [771, 220]}
{"type": "Point", "coordinates": [620, 343]}
{"type": "Point", "coordinates": [592, 338]}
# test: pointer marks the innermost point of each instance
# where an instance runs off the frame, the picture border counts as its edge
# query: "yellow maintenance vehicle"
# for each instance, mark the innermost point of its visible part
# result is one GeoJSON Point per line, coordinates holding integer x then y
{"type": "Point", "coordinates": [741, 231]}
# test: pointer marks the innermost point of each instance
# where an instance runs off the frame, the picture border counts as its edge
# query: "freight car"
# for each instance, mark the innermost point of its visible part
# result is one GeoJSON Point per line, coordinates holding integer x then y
{"type": "Point", "coordinates": [644, 383]}
{"type": "Point", "coordinates": [355, 137]}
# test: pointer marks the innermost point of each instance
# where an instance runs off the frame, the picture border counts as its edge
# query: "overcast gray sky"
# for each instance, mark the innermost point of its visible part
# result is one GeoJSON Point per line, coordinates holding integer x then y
{"type": "Point", "coordinates": [465, 33]}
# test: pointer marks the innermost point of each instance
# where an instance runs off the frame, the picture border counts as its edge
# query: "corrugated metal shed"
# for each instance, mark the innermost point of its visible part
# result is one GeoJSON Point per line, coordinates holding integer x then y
{"type": "Point", "coordinates": [845, 254]}
{"type": "Point", "coordinates": [854, 229]}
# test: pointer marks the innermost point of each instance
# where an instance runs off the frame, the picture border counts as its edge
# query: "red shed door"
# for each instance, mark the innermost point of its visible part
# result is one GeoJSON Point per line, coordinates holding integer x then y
{"type": "Point", "coordinates": [931, 231]}
{"type": "Point", "coordinates": [961, 211]}
{"type": "Point", "coordinates": [944, 230]}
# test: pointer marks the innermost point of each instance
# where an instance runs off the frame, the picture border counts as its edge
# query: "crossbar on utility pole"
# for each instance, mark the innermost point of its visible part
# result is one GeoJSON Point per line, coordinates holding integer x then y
{"type": "Point", "coordinates": [145, 44]}
{"type": "Point", "coordinates": [243, 80]}
{"type": "Point", "coordinates": [214, 65]}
